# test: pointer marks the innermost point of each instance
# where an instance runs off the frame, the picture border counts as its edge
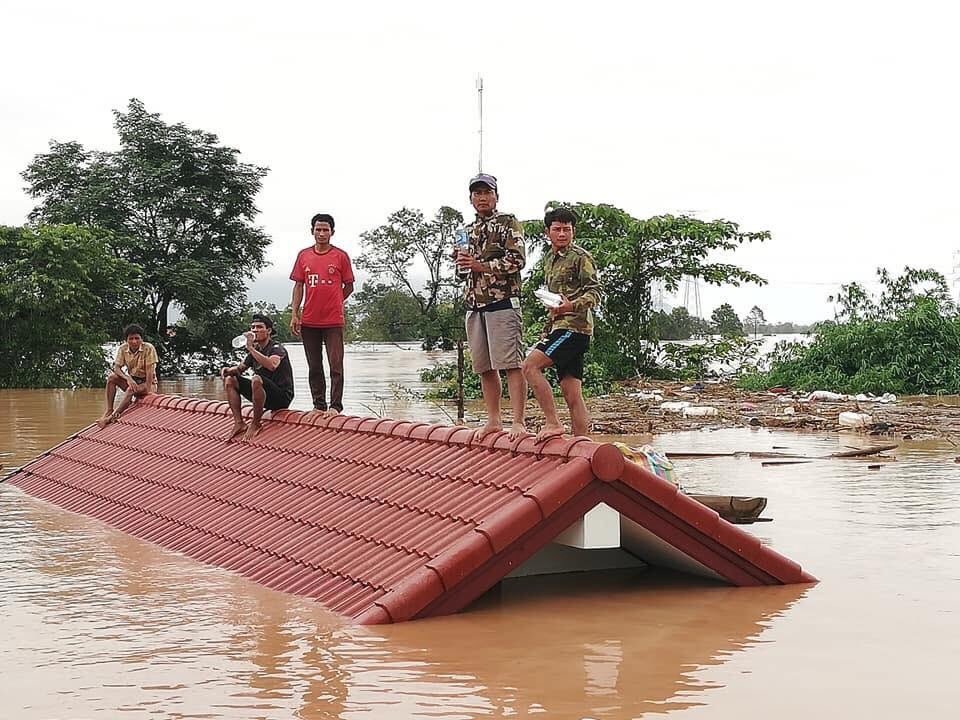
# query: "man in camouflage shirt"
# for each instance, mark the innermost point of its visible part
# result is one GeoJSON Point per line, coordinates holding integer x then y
{"type": "Point", "coordinates": [568, 271]}
{"type": "Point", "coordinates": [494, 325]}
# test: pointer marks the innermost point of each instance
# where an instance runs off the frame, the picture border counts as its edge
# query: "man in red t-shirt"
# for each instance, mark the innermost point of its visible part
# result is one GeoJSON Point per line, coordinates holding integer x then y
{"type": "Point", "coordinates": [323, 281]}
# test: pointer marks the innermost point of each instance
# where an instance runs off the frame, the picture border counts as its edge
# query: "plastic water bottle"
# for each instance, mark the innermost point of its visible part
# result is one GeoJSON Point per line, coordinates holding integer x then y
{"type": "Point", "coordinates": [461, 242]}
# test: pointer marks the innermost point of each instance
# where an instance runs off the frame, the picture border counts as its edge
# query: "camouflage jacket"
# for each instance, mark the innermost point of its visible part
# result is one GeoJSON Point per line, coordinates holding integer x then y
{"type": "Point", "coordinates": [497, 241]}
{"type": "Point", "coordinates": [571, 273]}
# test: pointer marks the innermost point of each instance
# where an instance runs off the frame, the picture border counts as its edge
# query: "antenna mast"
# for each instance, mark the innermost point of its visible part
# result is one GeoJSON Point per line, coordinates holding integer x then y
{"type": "Point", "coordinates": [480, 102]}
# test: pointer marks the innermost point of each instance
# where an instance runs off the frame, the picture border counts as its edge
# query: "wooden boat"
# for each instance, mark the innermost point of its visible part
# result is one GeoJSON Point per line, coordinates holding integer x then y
{"type": "Point", "coordinates": [735, 509]}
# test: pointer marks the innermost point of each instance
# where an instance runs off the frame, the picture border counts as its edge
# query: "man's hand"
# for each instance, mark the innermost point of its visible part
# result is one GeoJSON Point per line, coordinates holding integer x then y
{"type": "Point", "coordinates": [564, 308]}
{"type": "Point", "coordinates": [224, 372]}
{"type": "Point", "coordinates": [295, 324]}
{"type": "Point", "coordinates": [466, 261]}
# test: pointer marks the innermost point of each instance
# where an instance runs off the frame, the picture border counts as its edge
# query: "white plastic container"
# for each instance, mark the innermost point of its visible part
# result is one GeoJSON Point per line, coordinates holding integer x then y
{"type": "Point", "coordinates": [239, 341]}
{"type": "Point", "coordinates": [854, 420]}
{"type": "Point", "coordinates": [547, 298]}
{"type": "Point", "coordinates": [674, 407]}
{"type": "Point", "coordinates": [700, 411]}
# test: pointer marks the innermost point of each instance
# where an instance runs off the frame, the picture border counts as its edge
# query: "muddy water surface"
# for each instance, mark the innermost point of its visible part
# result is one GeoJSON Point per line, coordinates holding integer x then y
{"type": "Point", "coordinates": [96, 624]}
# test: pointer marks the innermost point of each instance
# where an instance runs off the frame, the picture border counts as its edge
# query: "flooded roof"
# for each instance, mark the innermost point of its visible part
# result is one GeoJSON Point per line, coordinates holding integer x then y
{"type": "Point", "coordinates": [379, 520]}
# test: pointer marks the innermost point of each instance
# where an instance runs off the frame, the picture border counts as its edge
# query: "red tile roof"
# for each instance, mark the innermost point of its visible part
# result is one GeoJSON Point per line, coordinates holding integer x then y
{"type": "Point", "coordinates": [379, 520]}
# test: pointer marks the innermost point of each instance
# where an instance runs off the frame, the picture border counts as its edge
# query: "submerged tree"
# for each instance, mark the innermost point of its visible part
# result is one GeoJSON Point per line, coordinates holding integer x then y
{"type": "Point", "coordinates": [726, 321]}
{"type": "Point", "coordinates": [755, 319]}
{"type": "Point", "coordinates": [177, 204]}
{"type": "Point", "coordinates": [409, 246]}
{"type": "Point", "coordinates": [63, 294]}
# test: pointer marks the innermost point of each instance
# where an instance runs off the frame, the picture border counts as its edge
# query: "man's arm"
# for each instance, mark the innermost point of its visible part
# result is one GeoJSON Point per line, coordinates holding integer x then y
{"type": "Point", "coordinates": [151, 378]}
{"type": "Point", "coordinates": [270, 362]}
{"type": "Point", "coordinates": [589, 293]}
{"type": "Point", "coordinates": [295, 304]}
{"type": "Point", "coordinates": [347, 290]}
{"type": "Point", "coordinates": [515, 256]}
{"type": "Point", "coordinates": [238, 369]}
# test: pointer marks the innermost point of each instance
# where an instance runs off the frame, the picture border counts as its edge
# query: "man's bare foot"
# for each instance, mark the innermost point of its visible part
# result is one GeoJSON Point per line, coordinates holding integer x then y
{"type": "Point", "coordinates": [550, 431]}
{"type": "Point", "coordinates": [482, 432]}
{"type": "Point", "coordinates": [517, 430]}
{"type": "Point", "coordinates": [331, 411]}
{"type": "Point", "coordinates": [238, 427]}
{"type": "Point", "coordinates": [105, 420]}
{"type": "Point", "coordinates": [251, 432]}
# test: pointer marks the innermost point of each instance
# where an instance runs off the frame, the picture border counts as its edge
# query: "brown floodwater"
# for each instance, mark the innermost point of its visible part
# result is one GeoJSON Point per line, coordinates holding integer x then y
{"type": "Point", "coordinates": [97, 624]}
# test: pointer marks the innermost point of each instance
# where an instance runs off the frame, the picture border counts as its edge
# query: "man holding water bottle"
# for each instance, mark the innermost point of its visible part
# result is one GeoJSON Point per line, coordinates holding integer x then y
{"type": "Point", "coordinates": [491, 265]}
{"type": "Point", "coordinates": [270, 387]}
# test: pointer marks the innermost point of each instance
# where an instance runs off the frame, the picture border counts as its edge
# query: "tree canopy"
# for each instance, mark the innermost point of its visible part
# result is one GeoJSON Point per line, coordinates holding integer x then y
{"type": "Point", "coordinates": [62, 291]}
{"type": "Point", "coordinates": [175, 203]}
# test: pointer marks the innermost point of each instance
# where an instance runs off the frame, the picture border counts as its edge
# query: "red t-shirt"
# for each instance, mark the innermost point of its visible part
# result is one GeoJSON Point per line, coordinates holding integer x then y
{"type": "Point", "coordinates": [323, 277]}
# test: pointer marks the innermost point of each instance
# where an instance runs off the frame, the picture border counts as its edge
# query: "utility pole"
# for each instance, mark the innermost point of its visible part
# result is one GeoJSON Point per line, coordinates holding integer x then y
{"type": "Point", "coordinates": [480, 103]}
{"type": "Point", "coordinates": [956, 272]}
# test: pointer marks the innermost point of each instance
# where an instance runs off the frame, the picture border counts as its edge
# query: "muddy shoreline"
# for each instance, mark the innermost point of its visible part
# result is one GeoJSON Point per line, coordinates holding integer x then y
{"type": "Point", "coordinates": [637, 410]}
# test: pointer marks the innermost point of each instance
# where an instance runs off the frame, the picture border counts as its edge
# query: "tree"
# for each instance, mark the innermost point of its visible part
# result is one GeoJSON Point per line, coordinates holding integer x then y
{"type": "Point", "coordinates": [905, 342]}
{"type": "Point", "coordinates": [63, 294]}
{"type": "Point", "coordinates": [177, 204]}
{"type": "Point", "coordinates": [407, 245]}
{"type": "Point", "coordinates": [755, 319]}
{"type": "Point", "coordinates": [898, 294]}
{"type": "Point", "coordinates": [631, 254]}
{"type": "Point", "coordinates": [386, 314]}
{"type": "Point", "coordinates": [726, 321]}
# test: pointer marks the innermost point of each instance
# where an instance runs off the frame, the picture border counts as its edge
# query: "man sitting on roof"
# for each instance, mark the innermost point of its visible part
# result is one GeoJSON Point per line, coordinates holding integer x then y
{"type": "Point", "coordinates": [134, 370]}
{"type": "Point", "coordinates": [270, 388]}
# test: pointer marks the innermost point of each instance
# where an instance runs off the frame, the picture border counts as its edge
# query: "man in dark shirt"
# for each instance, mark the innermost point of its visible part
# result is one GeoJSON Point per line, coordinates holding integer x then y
{"type": "Point", "coordinates": [270, 388]}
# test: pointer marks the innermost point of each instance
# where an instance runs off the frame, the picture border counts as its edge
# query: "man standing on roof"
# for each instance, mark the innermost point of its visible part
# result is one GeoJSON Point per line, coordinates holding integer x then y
{"type": "Point", "coordinates": [494, 326]}
{"type": "Point", "coordinates": [570, 272]}
{"type": "Point", "coordinates": [270, 388]}
{"type": "Point", "coordinates": [323, 275]}
{"type": "Point", "coordinates": [134, 370]}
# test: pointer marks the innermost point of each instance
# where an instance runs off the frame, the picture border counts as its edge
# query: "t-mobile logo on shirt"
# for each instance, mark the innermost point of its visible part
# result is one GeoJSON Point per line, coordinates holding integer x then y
{"type": "Point", "coordinates": [312, 280]}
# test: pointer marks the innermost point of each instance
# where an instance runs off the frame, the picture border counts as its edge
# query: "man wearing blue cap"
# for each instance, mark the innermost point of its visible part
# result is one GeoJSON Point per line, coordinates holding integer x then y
{"type": "Point", "coordinates": [494, 324]}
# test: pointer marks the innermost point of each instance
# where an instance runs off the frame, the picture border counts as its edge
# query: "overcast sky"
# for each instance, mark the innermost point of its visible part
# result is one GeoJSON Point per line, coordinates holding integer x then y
{"type": "Point", "coordinates": [833, 125]}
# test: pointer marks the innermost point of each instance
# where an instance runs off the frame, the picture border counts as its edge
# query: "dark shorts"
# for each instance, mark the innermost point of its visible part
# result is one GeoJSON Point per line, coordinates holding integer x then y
{"type": "Point", "coordinates": [277, 398]}
{"type": "Point", "coordinates": [566, 349]}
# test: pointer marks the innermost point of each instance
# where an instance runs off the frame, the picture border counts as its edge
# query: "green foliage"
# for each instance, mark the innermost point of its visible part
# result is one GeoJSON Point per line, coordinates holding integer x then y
{"type": "Point", "coordinates": [392, 254]}
{"type": "Point", "coordinates": [63, 294]}
{"type": "Point", "coordinates": [678, 324]}
{"type": "Point", "coordinates": [726, 322]}
{"type": "Point", "coordinates": [711, 358]}
{"type": "Point", "coordinates": [176, 203]}
{"type": "Point", "coordinates": [907, 341]}
{"type": "Point", "coordinates": [387, 314]}
{"type": "Point", "coordinates": [443, 378]}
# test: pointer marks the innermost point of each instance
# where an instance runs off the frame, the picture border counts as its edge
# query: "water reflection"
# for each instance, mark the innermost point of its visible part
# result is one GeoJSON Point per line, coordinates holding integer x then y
{"type": "Point", "coordinates": [123, 625]}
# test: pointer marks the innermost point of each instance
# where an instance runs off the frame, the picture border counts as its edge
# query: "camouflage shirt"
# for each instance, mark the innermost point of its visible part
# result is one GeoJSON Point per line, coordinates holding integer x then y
{"type": "Point", "coordinates": [497, 241]}
{"type": "Point", "coordinates": [571, 273]}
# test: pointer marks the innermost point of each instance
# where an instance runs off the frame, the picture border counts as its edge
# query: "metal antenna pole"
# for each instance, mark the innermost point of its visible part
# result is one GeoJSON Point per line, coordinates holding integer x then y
{"type": "Point", "coordinates": [480, 101]}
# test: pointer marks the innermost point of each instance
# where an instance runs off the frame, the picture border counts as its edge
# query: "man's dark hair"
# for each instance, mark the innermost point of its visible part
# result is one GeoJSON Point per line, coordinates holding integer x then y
{"type": "Point", "coordinates": [264, 319]}
{"type": "Point", "coordinates": [321, 217]}
{"type": "Point", "coordinates": [132, 329]}
{"type": "Point", "coordinates": [559, 215]}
